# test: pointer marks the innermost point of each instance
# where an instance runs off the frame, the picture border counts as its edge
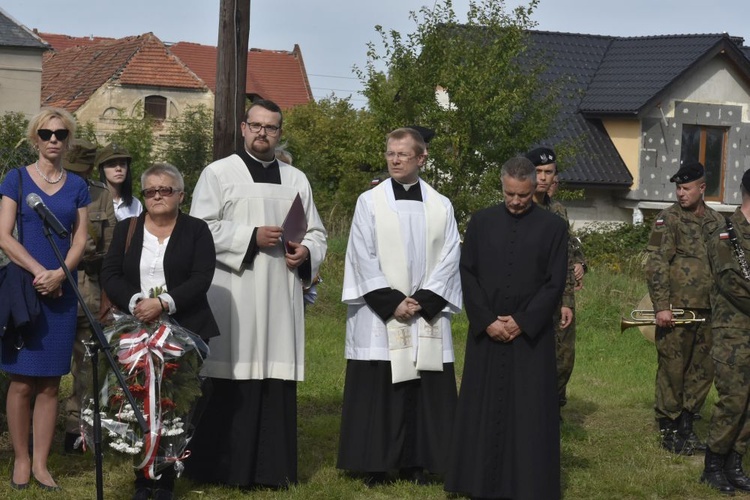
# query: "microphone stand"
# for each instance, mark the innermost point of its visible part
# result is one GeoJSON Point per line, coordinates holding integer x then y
{"type": "Point", "coordinates": [94, 346]}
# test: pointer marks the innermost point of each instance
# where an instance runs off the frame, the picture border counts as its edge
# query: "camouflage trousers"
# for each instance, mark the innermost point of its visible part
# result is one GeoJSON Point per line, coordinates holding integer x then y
{"type": "Point", "coordinates": [566, 355]}
{"type": "Point", "coordinates": [730, 421]}
{"type": "Point", "coordinates": [685, 369]}
{"type": "Point", "coordinates": [80, 369]}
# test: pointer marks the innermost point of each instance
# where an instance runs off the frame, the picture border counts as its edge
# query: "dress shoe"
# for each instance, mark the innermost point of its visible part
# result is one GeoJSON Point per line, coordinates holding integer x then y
{"type": "Point", "coordinates": [17, 486]}
{"type": "Point", "coordinates": [142, 494]}
{"type": "Point", "coordinates": [161, 494]}
{"type": "Point", "coordinates": [46, 487]}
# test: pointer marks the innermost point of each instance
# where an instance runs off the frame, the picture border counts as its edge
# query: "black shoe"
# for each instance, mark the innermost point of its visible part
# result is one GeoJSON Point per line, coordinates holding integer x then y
{"type": "Point", "coordinates": [685, 430]}
{"type": "Point", "coordinates": [70, 444]}
{"type": "Point", "coordinates": [671, 440]}
{"type": "Point", "coordinates": [46, 487]}
{"type": "Point", "coordinates": [415, 475]}
{"type": "Point", "coordinates": [373, 479]}
{"type": "Point", "coordinates": [142, 494]}
{"type": "Point", "coordinates": [734, 473]}
{"type": "Point", "coordinates": [163, 495]}
{"type": "Point", "coordinates": [14, 485]}
{"type": "Point", "coordinates": [713, 473]}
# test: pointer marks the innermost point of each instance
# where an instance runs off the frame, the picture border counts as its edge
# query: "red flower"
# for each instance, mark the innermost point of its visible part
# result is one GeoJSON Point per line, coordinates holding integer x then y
{"type": "Point", "coordinates": [167, 404]}
{"type": "Point", "coordinates": [170, 368]}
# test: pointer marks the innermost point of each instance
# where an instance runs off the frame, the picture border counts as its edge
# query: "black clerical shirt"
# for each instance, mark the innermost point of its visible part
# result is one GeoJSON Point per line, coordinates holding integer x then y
{"type": "Point", "coordinates": [384, 301]}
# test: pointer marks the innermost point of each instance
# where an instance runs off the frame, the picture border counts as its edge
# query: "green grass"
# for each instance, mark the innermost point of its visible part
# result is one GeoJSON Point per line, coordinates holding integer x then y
{"type": "Point", "coordinates": [610, 448]}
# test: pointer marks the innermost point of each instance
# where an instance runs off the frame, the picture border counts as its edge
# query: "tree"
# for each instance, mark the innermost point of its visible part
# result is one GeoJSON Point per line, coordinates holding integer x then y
{"type": "Point", "coordinates": [189, 143]}
{"type": "Point", "coordinates": [339, 149]}
{"type": "Point", "coordinates": [474, 83]}
{"type": "Point", "coordinates": [14, 148]}
{"type": "Point", "coordinates": [136, 135]}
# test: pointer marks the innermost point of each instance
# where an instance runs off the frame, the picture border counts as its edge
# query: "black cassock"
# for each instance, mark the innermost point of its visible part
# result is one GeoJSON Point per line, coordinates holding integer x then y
{"type": "Point", "coordinates": [506, 440]}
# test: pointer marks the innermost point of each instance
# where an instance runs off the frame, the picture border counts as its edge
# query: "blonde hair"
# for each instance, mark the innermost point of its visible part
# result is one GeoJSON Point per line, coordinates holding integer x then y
{"type": "Point", "coordinates": [45, 115]}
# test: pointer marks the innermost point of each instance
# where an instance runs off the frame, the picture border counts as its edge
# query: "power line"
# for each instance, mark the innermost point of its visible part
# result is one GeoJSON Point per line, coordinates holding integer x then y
{"type": "Point", "coordinates": [334, 76]}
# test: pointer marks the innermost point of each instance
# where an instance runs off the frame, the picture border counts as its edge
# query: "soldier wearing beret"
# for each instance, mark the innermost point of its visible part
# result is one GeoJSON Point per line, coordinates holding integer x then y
{"type": "Point", "coordinates": [728, 247]}
{"type": "Point", "coordinates": [678, 277]}
{"type": "Point", "coordinates": [101, 223]}
{"type": "Point", "coordinates": [545, 162]}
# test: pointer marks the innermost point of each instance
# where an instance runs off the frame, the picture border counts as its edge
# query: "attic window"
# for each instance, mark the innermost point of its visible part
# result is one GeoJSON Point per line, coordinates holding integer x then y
{"type": "Point", "coordinates": [155, 106]}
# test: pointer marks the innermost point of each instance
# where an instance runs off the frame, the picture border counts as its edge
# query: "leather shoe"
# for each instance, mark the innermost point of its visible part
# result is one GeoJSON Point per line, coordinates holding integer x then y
{"type": "Point", "coordinates": [17, 486]}
{"type": "Point", "coordinates": [160, 494]}
{"type": "Point", "coordinates": [142, 494]}
{"type": "Point", "coordinates": [46, 487]}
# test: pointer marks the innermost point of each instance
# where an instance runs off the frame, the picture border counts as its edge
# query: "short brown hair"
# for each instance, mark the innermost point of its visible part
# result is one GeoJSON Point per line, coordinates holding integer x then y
{"type": "Point", "coordinates": [402, 133]}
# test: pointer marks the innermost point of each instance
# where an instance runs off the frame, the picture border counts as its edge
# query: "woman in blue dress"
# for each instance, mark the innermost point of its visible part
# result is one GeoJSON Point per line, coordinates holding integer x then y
{"type": "Point", "coordinates": [36, 368]}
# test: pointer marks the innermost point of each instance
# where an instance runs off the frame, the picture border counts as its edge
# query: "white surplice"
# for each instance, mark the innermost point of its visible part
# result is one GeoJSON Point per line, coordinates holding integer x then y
{"type": "Point", "coordinates": [366, 333]}
{"type": "Point", "coordinates": [258, 307]}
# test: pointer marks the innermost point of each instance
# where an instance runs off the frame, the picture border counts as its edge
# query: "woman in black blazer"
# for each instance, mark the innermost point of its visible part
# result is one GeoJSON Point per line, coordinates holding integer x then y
{"type": "Point", "coordinates": [167, 269]}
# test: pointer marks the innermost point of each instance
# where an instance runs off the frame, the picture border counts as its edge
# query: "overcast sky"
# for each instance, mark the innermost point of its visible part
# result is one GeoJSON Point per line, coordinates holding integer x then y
{"type": "Point", "coordinates": [333, 33]}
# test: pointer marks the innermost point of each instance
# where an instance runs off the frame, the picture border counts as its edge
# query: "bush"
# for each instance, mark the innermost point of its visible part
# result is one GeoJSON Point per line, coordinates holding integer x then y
{"type": "Point", "coordinates": [615, 247]}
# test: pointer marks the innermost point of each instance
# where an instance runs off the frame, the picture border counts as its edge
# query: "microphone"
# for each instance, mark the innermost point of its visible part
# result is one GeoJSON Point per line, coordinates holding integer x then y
{"type": "Point", "coordinates": [34, 201]}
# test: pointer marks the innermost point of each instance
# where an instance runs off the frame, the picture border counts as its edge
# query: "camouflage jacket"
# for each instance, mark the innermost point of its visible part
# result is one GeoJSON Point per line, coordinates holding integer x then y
{"type": "Point", "coordinates": [557, 208]}
{"type": "Point", "coordinates": [677, 268]}
{"type": "Point", "coordinates": [730, 294]}
{"type": "Point", "coordinates": [100, 228]}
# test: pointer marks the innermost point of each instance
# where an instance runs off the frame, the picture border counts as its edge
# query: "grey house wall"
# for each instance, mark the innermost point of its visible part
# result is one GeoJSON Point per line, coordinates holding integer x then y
{"type": "Point", "coordinates": [660, 155]}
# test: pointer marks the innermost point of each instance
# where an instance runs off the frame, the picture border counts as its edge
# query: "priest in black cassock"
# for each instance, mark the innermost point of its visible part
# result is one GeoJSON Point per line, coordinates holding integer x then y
{"type": "Point", "coordinates": [506, 439]}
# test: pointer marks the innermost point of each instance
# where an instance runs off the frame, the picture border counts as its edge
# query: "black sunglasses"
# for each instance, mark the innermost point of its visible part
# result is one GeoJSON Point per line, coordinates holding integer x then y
{"type": "Point", "coordinates": [163, 191]}
{"type": "Point", "coordinates": [45, 134]}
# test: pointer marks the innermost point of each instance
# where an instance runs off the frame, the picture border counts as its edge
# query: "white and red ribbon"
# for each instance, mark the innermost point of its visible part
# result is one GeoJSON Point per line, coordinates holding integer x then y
{"type": "Point", "coordinates": [144, 351]}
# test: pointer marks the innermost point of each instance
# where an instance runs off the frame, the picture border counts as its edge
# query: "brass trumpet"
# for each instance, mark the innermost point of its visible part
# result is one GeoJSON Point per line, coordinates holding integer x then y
{"type": "Point", "coordinates": [643, 317]}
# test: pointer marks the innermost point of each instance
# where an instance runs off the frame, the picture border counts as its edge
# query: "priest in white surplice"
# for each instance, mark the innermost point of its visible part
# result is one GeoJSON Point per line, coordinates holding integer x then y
{"type": "Point", "coordinates": [248, 432]}
{"type": "Point", "coordinates": [401, 284]}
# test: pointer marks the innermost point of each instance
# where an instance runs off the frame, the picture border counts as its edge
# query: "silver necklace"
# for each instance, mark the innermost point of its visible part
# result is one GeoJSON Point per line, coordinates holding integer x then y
{"type": "Point", "coordinates": [59, 177]}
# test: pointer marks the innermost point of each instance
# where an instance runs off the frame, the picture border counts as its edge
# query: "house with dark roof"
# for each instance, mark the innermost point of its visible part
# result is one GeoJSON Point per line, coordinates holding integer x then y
{"type": "Point", "coordinates": [634, 108]}
{"type": "Point", "coordinates": [20, 67]}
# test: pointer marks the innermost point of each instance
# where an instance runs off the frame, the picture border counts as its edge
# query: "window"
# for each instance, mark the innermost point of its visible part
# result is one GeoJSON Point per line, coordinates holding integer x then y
{"type": "Point", "coordinates": [156, 107]}
{"type": "Point", "coordinates": [706, 145]}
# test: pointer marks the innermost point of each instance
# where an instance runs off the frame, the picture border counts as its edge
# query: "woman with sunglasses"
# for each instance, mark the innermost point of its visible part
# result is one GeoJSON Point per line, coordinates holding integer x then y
{"type": "Point", "coordinates": [36, 358]}
{"type": "Point", "coordinates": [113, 162]}
{"type": "Point", "coordinates": [165, 271]}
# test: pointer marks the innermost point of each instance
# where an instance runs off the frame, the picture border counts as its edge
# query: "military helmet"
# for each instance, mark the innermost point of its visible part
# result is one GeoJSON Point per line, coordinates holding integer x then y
{"type": "Point", "coordinates": [112, 151]}
{"type": "Point", "coordinates": [80, 156]}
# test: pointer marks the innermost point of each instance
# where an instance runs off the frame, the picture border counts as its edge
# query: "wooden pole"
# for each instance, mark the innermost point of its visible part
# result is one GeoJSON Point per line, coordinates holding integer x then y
{"type": "Point", "coordinates": [231, 75]}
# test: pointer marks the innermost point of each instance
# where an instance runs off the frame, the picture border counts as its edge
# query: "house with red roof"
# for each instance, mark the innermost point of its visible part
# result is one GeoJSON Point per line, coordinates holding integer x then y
{"type": "Point", "coordinates": [96, 77]}
{"type": "Point", "coordinates": [277, 75]}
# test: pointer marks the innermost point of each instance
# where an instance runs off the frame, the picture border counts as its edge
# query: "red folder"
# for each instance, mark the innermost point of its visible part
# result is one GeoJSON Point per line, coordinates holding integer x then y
{"type": "Point", "coordinates": [294, 227]}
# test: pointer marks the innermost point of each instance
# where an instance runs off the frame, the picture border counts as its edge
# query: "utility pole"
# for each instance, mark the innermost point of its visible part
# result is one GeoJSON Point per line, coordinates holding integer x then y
{"type": "Point", "coordinates": [231, 75]}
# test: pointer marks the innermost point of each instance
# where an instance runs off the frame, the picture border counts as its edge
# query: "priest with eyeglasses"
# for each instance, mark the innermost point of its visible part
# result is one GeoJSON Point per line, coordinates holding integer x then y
{"type": "Point", "coordinates": [402, 286]}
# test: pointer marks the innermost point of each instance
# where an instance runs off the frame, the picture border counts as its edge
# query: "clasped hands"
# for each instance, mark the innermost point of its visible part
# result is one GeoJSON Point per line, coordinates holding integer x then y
{"type": "Point", "coordinates": [407, 309]}
{"type": "Point", "coordinates": [269, 236]}
{"type": "Point", "coordinates": [48, 282]}
{"type": "Point", "coordinates": [504, 329]}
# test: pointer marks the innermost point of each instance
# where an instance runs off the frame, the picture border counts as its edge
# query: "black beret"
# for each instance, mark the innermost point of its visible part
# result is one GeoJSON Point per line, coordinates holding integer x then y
{"type": "Point", "coordinates": [541, 156]}
{"type": "Point", "coordinates": [689, 171]}
{"type": "Point", "coordinates": [746, 180]}
{"type": "Point", "coordinates": [426, 133]}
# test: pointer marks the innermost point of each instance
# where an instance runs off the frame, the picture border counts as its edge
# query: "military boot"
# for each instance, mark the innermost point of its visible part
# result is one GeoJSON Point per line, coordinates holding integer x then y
{"type": "Point", "coordinates": [734, 473]}
{"type": "Point", "coordinates": [713, 473]}
{"type": "Point", "coordinates": [685, 430]}
{"type": "Point", "coordinates": [671, 440]}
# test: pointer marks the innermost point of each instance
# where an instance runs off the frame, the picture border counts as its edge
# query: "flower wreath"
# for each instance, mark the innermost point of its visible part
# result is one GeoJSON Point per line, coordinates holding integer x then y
{"type": "Point", "coordinates": [160, 363]}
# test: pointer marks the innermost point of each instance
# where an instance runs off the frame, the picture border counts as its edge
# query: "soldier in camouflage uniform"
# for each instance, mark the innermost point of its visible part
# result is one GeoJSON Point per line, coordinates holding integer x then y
{"type": "Point", "coordinates": [679, 277]}
{"type": "Point", "coordinates": [544, 159]}
{"type": "Point", "coordinates": [80, 160]}
{"type": "Point", "coordinates": [729, 431]}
